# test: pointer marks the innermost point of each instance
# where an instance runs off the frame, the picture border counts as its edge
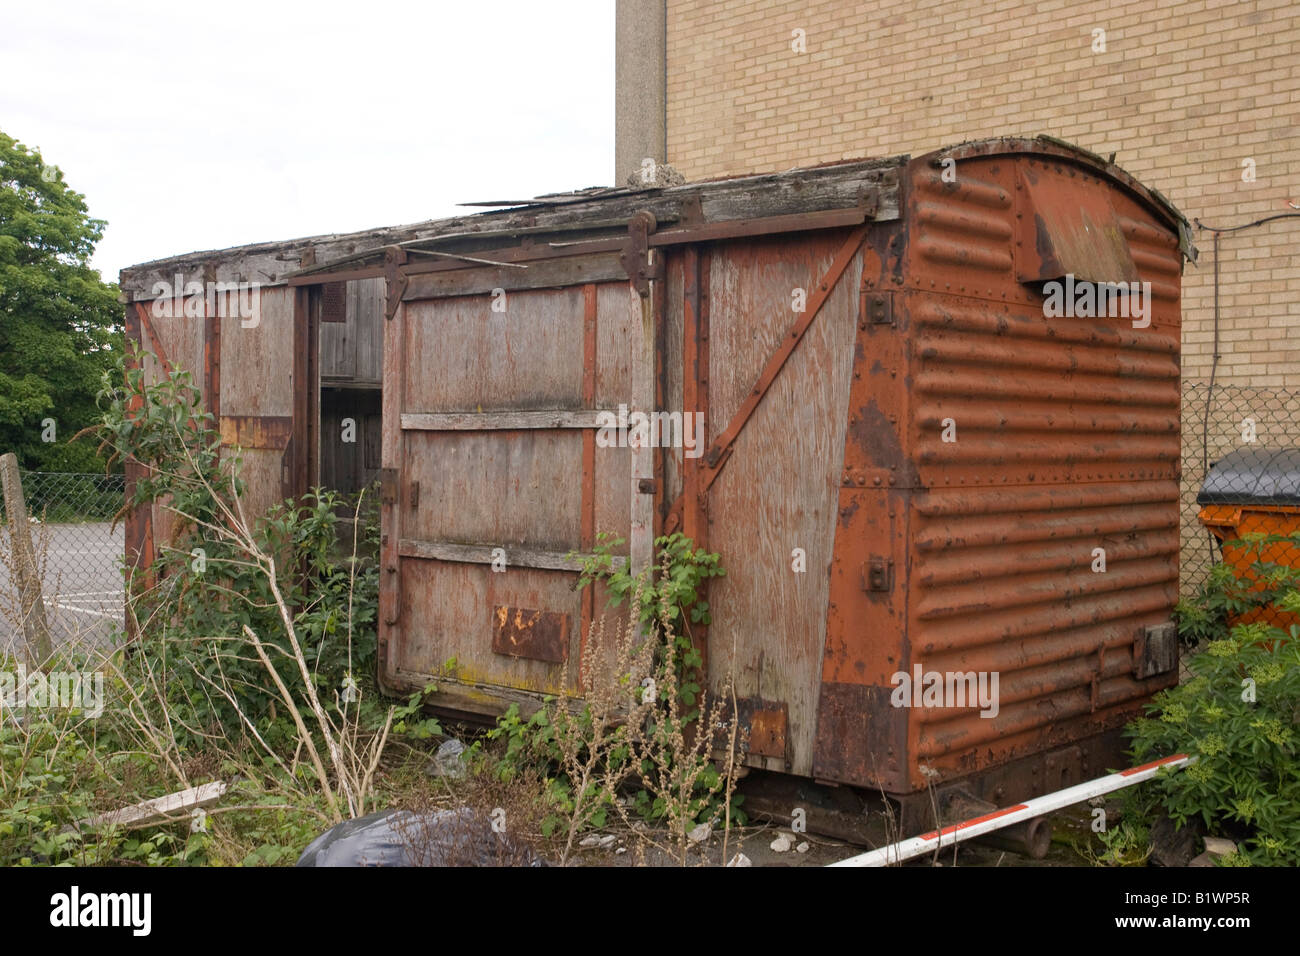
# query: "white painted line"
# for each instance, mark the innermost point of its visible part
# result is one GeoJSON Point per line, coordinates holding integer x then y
{"type": "Point", "coordinates": [82, 610]}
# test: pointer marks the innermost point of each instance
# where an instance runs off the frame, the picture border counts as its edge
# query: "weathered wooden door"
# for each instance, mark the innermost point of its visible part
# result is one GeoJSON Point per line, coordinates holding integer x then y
{"type": "Point", "coordinates": [493, 474]}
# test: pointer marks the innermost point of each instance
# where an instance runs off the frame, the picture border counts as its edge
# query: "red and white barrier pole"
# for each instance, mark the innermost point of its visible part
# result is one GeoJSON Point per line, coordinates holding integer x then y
{"type": "Point", "coordinates": [978, 826]}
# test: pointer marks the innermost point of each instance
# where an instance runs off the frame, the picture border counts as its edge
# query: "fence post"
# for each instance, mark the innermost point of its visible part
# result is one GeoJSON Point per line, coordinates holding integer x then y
{"type": "Point", "coordinates": [32, 602]}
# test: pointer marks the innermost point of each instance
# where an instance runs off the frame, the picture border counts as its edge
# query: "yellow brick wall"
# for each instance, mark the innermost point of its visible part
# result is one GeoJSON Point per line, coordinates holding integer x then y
{"type": "Point", "coordinates": [1184, 92]}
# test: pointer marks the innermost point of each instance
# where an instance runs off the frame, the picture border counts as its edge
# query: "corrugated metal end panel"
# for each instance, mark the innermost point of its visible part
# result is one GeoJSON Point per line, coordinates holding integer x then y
{"type": "Point", "coordinates": [1041, 445]}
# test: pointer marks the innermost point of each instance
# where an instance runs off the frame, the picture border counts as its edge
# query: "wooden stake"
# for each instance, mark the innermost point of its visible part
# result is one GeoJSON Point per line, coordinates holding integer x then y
{"type": "Point", "coordinates": [32, 602]}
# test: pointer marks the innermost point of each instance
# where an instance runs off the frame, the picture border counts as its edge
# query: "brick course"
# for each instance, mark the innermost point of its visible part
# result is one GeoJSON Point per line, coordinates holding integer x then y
{"type": "Point", "coordinates": [1184, 92]}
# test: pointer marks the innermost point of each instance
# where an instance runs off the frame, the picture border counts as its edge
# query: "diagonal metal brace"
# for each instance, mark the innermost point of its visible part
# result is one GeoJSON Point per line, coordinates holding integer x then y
{"type": "Point", "coordinates": [717, 455]}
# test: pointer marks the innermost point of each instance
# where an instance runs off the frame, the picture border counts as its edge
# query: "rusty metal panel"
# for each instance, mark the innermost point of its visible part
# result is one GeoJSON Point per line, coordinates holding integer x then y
{"type": "Point", "coordinates": [1066, 226]}
{"type": "Point", "coordinates": [959, 234]}
{"type": "Point", "coordinates": [1007, 583]}
{"type": "Point", "coordinates": [1007, 396]}
{"type": "Point", "coordinates": [860, 738]}
{"type": "Point", "coordinates": [536, 635]}
{"type": "Point", "coordinates": [333, 302]}
{"type": "Point", "coordinates": [1007, 449]}
{"type": "Point", "coordinates": [993, 452]}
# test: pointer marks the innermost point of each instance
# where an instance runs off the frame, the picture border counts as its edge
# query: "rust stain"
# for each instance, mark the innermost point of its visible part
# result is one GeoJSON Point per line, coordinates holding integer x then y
{"type": "Point", "coordinates": [254, 431]}
{"type": "Point", "coordinates": [535, 635]}
{"type": "Point", "coordinates": [765, 726]}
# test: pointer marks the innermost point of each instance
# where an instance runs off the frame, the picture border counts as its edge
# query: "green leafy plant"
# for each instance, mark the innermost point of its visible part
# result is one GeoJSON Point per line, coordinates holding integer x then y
{"type": "Point", "coordinates": [1125, 844]}
{"type": "Point", "coordinates": [1237, 716]}
{"type": "Point", "coordinates": [249, 630]}
{"type": "Point", "coordinates": [409, 719]}
{"type": "Point", "coordinates": [634, 726]}
{"type": "Point", "coordinates": [668, 592]}
{"type": "Point", "coordinates": [525, 741]}
{"type": "Point", "coordinates": [205, 587]}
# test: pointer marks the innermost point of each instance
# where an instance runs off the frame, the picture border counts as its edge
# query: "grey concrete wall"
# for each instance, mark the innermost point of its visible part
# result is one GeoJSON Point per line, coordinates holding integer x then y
{"type": "Point", "coordinates": [640, 42]}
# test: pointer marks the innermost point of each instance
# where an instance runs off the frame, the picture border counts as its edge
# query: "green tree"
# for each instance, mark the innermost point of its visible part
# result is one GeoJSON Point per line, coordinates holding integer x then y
{"type": "Point", "coordinates": [60, 325]}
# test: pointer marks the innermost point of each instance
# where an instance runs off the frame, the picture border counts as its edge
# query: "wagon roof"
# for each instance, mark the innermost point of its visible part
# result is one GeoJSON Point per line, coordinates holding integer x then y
{"type": "Point", "coordinates": [805, 197]}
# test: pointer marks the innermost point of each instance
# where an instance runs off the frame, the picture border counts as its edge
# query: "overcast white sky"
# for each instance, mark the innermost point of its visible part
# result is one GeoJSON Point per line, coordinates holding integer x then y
{"type": "Point", "coordinates": [197, 126]}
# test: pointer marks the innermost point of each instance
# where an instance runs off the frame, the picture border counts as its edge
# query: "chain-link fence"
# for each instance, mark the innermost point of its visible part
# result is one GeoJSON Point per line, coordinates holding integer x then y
{"type": "Point", "coordinates": [1240, 475]}
{"type": "Point", "coordinates": [78, 554]}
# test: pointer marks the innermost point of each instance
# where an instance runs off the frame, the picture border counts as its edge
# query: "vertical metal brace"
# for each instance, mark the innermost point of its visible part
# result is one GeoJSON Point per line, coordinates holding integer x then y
{"type": "Point", "coordinates": [394, 279]}
{"type": "Point", "coordinates": [640, 264]}
{"type": "Point", "coordinates": [388, 486]}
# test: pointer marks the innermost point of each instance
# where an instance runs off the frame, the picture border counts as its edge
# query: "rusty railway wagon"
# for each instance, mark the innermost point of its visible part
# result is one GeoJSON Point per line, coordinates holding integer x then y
{"type": "Point", "coordinates": [909, 463]}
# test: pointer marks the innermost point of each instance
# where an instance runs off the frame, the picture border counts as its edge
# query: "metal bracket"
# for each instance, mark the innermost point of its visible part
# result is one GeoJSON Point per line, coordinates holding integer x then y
{"type": "Point", "coordinates": [878, 574]}
{"type": "Point", "coordinates": [394, 279]}
{"type": "Point", "coordinates": [1155, 650]}
{"type": "Point", "coordinates": [869, 201]}
{"type": "Point", "coordinates": [877, 308]}
{"type": "Point", "coordinates": [692, 211]}
{"type": "Point", "coordinates": [641, 264]}
{"type": "Point", "coordinates": [388, 486]}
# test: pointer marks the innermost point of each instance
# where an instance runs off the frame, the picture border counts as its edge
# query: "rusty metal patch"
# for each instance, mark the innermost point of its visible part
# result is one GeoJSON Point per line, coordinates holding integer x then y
{"type": "Point", "coordinates": [333, 302]}
{"type": "Point", "coordinates": [765, 723]}
{"type": "Point", "coordinates": [256, 431]}
{"type": "Point", "coordinates": [535, 635]}
{"type": "Point", "coordinates": [861, 737]}
{"type": "Point", "coordinates": [1064, 229]}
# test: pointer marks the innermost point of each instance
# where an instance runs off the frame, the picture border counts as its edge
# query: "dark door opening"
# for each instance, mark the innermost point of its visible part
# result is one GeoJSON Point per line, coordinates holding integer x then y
{"type": "Point", "coordinates": [351, 382]}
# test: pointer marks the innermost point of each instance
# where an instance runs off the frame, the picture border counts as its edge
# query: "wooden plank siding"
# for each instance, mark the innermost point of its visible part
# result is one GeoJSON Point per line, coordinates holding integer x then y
{"type": "Point", "coordinates": [352, 352]}
{"type": "Point", "coordinates": [779, 489]}
{"type": "Point", "coordinates": [500, 476]}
